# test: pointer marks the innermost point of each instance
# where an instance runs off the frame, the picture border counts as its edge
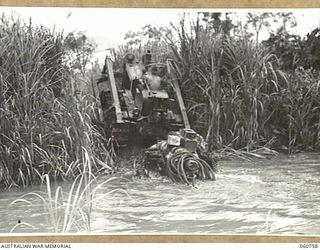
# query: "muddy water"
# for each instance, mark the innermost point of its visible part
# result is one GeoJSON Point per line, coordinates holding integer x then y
{"type": "Point", "coordinates": [278, 196]}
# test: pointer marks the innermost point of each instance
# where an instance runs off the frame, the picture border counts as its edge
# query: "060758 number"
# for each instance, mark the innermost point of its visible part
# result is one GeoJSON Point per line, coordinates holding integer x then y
{"type": "Point", "coordinates": [309, 246]}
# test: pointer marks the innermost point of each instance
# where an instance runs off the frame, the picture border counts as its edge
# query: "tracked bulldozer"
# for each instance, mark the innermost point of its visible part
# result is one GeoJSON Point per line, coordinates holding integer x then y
{"type": "Point", "coordinates": [143, 102]}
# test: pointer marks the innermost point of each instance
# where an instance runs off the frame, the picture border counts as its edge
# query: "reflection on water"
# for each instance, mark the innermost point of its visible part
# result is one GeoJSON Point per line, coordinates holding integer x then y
{"type": "Point", "coordinates": [279, 196]}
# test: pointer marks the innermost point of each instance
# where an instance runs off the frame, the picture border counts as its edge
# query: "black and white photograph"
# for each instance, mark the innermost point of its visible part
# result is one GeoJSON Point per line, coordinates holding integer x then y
{"type": "Point", "coordinates": [159, 121]}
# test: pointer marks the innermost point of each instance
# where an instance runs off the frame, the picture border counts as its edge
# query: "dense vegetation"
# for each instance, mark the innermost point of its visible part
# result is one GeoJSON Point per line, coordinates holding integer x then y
{"type": "Point", "coordinates": [241, 93]}
{"type": "Point", "coordinates": [45, 126]}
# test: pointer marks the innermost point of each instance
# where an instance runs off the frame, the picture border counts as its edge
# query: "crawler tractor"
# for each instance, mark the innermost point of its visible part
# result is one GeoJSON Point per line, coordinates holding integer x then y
{"type": "Point", "coordinates": [143, 101]}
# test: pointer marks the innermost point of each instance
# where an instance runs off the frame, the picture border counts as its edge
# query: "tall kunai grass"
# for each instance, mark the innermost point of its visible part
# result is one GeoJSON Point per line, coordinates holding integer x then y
{"type": "Point", "coordinates": [238, 95]}
{"type": "Point", "coordinates": [45, 128]}
{"type": "Point", "coordinates": [237, 79]}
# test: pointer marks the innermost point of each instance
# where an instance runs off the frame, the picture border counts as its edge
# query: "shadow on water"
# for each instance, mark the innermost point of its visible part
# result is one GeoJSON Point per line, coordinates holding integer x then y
{"type": "Point", "coordinates": [278, 196]}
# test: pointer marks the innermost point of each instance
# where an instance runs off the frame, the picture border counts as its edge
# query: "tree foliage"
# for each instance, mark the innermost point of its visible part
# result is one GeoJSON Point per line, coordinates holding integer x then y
{"type": "Point", "coordinates": [79, 50]}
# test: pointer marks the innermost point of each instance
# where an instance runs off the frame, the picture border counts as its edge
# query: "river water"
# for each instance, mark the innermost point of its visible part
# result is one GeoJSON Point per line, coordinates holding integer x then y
{"type": "Point", "coordinates": [278, 196]}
